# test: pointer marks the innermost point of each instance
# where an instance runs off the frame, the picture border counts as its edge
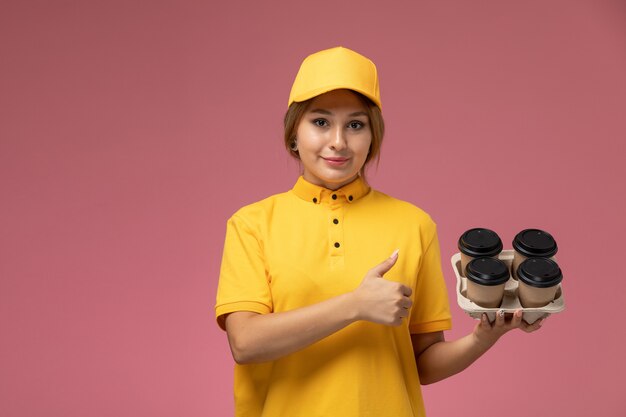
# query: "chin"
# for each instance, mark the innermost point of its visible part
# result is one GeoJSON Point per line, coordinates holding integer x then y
{"type": "Point", "coordinates": [341, 180]}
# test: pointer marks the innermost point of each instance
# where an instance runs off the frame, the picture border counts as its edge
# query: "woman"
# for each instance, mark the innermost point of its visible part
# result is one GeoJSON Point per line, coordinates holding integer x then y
{"type": "Point", "coordinates": [317, 324]}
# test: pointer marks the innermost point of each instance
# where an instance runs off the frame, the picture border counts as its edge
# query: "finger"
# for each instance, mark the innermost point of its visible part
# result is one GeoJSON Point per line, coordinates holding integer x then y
{"type": "Point", "coordinates": [484, 321]}
{"type": "Point", "coordinates": [382, 268]}
{"type": "Point", "coordinates": [406, 291]}
{"type": "Point", "coordinates": [500, 318]}
{"type": "Point", "coordinates": [529, 328]}
{"type": "Point", "coordinates": [516, 321]}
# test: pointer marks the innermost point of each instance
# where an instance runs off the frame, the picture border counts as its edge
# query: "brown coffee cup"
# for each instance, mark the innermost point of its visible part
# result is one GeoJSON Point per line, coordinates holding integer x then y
{"type": "Point", "coordinates": [486, 278]}
{"type": "Point", "coordinates": [532, 243]}
{"type": "Point", "coordinates": [539, 279]}
{"type": "Point", "coordinates": [478, 243]}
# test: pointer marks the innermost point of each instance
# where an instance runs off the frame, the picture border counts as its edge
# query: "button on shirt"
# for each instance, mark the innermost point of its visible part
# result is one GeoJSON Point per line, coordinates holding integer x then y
{"type": "Point", "coordinates": [310, 244]}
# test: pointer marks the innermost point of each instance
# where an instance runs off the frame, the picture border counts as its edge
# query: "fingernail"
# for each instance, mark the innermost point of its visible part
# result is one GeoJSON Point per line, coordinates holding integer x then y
{"type": "Point", "coordinates": [501, 313]}
{"type": "Point", "coordinates": [395, 253]}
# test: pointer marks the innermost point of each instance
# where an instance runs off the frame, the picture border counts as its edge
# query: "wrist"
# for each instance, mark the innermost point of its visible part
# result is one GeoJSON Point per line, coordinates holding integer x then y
{"type": "Point", "coordinates": [351, 307]}
{"type": "Point", "coordinates": [483, 341]}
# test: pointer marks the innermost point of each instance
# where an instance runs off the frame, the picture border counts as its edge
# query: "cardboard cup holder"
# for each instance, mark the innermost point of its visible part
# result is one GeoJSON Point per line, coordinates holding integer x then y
{"type": "Point", "coordinates": [510, 301]}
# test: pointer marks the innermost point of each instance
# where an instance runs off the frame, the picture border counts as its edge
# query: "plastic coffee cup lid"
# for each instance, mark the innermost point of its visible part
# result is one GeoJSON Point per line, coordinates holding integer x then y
{"type": "Point", "coordinates": [479, 242]}
{"type": "Point", "coordinates": [487, 271]}
{"type": "Point", "coordinates": [539, 272]}
{"type": "Point", "coordinates": [535, 242]}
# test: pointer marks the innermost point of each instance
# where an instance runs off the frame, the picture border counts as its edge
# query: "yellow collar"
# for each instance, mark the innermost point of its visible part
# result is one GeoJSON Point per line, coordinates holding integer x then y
{"type": "Point", "coordinates": [316, 194]}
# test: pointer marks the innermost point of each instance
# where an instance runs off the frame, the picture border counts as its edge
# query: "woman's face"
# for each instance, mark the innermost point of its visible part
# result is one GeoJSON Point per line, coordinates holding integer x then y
{"type": "Point", "coordinates": [334, 138]}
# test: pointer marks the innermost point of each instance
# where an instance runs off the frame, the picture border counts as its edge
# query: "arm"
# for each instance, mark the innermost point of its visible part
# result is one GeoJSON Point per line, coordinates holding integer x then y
{"type": "Point", "coordinates": [264, 337]}
{"type": "Point", "coordinates": [257, 337]}
{"type": "Point", "coordinates": [438, 359]}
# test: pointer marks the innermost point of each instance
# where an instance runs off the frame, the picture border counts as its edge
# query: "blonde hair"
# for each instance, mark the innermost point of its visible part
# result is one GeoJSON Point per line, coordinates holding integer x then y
{"type": "Point", "coordinates": [377, 126]}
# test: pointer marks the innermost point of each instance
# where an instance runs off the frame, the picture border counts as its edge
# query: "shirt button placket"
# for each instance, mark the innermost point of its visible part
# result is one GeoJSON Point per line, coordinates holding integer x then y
{"type": "Point", "coordinates": [336, 226]}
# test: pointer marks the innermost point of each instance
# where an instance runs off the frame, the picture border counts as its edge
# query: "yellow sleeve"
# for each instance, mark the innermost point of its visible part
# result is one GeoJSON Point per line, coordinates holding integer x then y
{"type": "Point", "coordinates": [243, 283]}
{"type": "Point", "coordinates": [431, 311]}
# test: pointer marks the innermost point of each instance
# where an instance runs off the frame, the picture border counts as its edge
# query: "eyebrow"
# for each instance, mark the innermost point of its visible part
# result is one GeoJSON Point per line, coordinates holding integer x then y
{"type": "Point", "coordinates": [328, 113]}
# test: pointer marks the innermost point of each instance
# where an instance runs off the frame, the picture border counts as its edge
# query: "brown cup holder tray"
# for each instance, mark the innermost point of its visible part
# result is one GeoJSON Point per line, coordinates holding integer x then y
{"type": "Point", "coordinates": [510, 301]}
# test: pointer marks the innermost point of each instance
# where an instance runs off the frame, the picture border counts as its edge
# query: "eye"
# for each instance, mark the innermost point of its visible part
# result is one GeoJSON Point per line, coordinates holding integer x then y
{"type": "Point", "coordinates": [355, 124]}
{"type": "Point", "coordinates": [320, 122]}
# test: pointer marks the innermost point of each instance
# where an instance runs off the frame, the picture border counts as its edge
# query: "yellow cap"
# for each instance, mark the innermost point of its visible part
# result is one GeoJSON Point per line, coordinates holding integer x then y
{"type": "Point", "coordinates": [334, 69]}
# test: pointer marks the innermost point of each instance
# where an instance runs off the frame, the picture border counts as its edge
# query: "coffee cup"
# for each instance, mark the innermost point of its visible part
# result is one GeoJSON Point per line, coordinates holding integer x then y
{"type": "Point", "coordinates": [532, 243]}
{"type": "Point", "coordinates": [478, 243]}
{"type": "Point", "coordinates": [486, 278]}
{"type": "Point", "coordinates": [539, 279]}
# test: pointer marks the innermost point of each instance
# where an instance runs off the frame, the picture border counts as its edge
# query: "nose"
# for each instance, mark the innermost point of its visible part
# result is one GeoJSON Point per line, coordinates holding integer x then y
{"type": "Point", "coordinates": [338, 139]}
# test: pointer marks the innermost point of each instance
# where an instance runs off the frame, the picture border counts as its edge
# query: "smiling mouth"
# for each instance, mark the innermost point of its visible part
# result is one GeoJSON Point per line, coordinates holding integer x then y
{"type": "Point", "coordinates": [335, 160]}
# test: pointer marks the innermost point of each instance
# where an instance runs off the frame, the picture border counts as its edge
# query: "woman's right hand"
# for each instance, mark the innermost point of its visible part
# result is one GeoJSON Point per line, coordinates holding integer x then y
{"type": "Point", "coordinates": [256, 338]}
{"type": "Point", "coordinates": [379, 300]}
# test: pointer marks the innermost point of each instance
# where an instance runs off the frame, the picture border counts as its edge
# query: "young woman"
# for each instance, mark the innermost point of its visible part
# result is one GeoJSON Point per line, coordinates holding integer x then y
{"type": "Point", "coordinates": [332, 293]}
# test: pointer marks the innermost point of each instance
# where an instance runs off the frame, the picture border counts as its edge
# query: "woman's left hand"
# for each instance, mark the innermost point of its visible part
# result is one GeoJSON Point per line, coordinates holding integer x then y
{"type": "Point", "coordinates": [489, 333]}
{"type": "Point", "coordinates": [439, 359]}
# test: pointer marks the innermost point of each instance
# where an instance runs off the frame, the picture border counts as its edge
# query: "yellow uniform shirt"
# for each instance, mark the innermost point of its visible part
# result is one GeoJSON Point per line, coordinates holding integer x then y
{"type": "Point", "coordinates": [308, 245]}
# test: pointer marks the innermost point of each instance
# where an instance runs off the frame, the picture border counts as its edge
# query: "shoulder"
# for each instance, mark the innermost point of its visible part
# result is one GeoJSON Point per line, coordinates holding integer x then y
{"type": "Point", "coordinates": [260, 211]}
{"type": "Point", "coordinates": [406, 209]}
{"type": "Point", "coordinates": [401, 217]}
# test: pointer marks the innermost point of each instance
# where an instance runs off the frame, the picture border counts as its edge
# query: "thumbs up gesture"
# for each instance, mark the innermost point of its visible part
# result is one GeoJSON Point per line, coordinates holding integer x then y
{"type": "Point", "coordinates": [379, 300]}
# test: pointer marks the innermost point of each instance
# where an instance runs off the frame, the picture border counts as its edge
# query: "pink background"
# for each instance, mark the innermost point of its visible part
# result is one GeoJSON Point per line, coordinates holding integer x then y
{"type": "Point", "coordinates": [130, 131]}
